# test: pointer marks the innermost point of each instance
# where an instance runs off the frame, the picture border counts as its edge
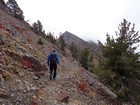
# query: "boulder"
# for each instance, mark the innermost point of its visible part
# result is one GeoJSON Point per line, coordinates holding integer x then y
{"type": "Point", "coordinates": [36, 65]}
{"type": "Point", "coordinates": [63, 97]}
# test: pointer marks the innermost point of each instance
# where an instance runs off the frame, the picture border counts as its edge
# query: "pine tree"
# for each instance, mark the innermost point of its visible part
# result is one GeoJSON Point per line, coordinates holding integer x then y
{"type": "Point", "coordinates": [14, 9]}
{"type": "Point", "coordinates": [85, 58]}
{"type": "Point", "coordinates": [74, 50]}
{"type": "Point", "coordinates": [38, 28]}
{"type": "Point", "coordinates": [51, 38]}
{"type": "Point", "coordinates": [62, 43]}
{"type": "Point", "coordinates": [121, 59]}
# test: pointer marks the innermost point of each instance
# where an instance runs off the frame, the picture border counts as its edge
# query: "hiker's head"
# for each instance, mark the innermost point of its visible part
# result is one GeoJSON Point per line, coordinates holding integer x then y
{"type": "Point", "coordinates": [54, 50]}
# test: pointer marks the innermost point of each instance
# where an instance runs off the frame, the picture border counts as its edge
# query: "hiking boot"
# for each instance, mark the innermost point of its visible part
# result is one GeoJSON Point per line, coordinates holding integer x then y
{"type": "Point", "coordinates": [54, 79]}
{"type": "Point", "coordinates": [50, 77]}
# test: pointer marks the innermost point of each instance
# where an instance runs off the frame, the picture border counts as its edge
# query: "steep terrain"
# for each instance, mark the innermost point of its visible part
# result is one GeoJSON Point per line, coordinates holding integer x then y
{"type": "Point", "coordinates": [80, 43]}
{"type": "Point", "coordinates": [24, 74]}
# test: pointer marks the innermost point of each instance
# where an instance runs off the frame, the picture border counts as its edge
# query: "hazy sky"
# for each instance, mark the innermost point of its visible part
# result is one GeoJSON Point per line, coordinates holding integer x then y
{"type": "Point", "coordinates": [88, 19]}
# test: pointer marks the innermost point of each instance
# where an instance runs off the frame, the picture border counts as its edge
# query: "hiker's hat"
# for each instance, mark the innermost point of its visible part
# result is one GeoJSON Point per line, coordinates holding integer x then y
{"type": "Point", "coordinates": [54, 50]}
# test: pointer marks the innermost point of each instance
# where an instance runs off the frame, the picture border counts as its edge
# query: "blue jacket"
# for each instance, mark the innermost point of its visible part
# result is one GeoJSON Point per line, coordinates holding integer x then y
{"type": "Point", "coordinates": [56, 57]}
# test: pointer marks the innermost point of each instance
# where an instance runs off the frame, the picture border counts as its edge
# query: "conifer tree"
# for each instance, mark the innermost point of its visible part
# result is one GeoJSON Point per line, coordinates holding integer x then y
{"type": "Point", "coordinates": [14, 9]}
{"type": "Point", "coordinates": [51, 38]}
{"type": "Point", "coordinates": [121, 58]}
{"type": "Point", "coordinates": [85, 58]}
{"type": "Point", "coordinates": [74, 50]}
{"type": "Point", "coordinates": [38, 28]}
{"type": "Point", "coordinates": [62, 43]}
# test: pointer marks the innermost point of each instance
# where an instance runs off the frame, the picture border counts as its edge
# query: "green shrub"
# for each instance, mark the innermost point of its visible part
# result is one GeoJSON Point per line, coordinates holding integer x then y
{"type": "Point", "coordinates": [40, 41]}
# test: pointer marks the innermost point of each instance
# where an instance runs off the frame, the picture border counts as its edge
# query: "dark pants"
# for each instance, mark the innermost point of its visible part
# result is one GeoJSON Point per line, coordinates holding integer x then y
{"type": "Point", "coordinates": [53, 68]}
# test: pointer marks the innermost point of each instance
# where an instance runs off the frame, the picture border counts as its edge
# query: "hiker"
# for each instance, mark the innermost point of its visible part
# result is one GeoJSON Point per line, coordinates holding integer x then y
{"type": "Point", "coordinates": [53, 60]}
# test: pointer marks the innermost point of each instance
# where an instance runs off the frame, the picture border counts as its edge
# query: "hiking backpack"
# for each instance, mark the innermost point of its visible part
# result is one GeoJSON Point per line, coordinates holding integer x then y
{"type": "Point", "coordinates": [53, 59]}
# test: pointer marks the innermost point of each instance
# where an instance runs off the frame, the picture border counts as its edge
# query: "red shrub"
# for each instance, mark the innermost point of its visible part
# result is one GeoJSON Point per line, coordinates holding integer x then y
{"type": "Point", "coordinates": [33, 102]}
{"type": "Point", "coordinates": [82, 86]}
{"type": "Point", "coordinates": [27, 34]}
{"type": "Point", "coordinates": [18, 28]}
{"type": "Point", "coordinates": [26, 63]}
{"type": "Point", "coordinates": [29, 39]}
{"type": "Point", "coordinates": [1, 26]}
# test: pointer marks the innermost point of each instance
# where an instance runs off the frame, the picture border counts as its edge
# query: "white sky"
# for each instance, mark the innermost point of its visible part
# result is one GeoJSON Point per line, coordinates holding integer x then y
{"type": "Point", "coordinates": [88, 19]}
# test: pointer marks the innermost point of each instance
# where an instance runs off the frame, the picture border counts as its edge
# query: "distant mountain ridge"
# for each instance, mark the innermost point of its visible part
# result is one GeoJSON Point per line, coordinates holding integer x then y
{"type": "Point", "coordinates": [80, 43]}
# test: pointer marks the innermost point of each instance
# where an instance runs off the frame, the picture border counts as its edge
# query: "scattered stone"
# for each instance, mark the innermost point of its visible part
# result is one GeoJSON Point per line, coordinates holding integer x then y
{"type": "Point", "coordinates": [41, 94]}
{"type": "Point", "coordinates": [34, 88]}
{"type": "Point", "coordinates": [1, 40]}
{"type": "Point", "coordinates": [1, 54]}
{"type": "Point", "coordinates": [31, 48]}
{"type": "Point", "coordinates": [22, 49]}
{"type": "Point", "coordinates": [1, 78]}
{"type": "Point", "coordinates": [8, 76]}
{"type": "Point", "coordinates": [102, 103]}
{"type": "Point", "coordinates": [63, 97]}
{"type": "Point", "coordinates": [3, 94]}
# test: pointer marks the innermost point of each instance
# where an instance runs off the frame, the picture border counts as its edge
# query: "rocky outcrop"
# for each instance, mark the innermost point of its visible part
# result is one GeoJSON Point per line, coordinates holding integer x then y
{"type": "Point", "coordinates": [34, 63]}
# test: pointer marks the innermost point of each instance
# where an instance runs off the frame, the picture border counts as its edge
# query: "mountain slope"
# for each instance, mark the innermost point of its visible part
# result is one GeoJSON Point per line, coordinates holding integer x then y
{"type": "Point", "coordinates": [24, 74]}
{"type": "Point", "coordinates": [80, 43]}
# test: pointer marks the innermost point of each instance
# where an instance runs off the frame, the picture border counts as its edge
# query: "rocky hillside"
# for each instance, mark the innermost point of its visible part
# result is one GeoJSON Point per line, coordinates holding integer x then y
{"type": "Point", "coordinates": [80, 43]}
{"type": "Point", "coordinates": [24, 74]}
